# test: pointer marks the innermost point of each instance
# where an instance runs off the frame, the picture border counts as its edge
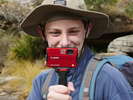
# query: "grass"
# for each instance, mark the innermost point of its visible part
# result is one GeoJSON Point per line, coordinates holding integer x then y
{"type": "Point", "coordinates": [129, 9]}
{"type": "Point", "coordinates": [23, 71]}
{"type": "Point", "coordinates": [26, 71]}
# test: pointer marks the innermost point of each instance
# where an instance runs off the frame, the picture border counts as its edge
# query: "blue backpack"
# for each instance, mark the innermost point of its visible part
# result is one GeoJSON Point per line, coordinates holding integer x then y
{"type": "Point", "coordinates": [122, 62]}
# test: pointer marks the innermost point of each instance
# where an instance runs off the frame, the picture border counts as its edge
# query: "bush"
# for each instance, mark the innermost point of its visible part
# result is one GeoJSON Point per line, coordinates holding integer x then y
{"type": "Point", "coordinates": [98, 2]}
{"type": "Point", "coordinates": [129, 9]}
{"type": "Point", "coordinates": [2, 1]}
{"type": "Point", "coordinates": [36, 2]}
{"type": "Point", "coordinates": [95, 4]}
{"type": "Point", "coordinates": [28, 47]}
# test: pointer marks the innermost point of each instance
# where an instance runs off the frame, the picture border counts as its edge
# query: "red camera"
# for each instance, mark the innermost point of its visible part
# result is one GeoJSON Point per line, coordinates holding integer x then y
{"type": "Point", "coordinates": [62, 57]}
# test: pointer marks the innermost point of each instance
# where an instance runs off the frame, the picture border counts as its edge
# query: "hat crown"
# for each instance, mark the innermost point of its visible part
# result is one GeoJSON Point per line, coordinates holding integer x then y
{"type": "Point", "coordinates": [74, 4]}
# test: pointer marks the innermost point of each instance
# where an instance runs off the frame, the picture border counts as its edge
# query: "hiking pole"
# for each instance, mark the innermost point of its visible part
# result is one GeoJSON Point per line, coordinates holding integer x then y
{"type": "Point", "coordinates": [62, 76]}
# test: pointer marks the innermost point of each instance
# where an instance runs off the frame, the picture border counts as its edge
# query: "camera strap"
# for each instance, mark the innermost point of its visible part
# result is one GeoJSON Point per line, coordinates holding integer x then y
{"type": "Point", "coordinates": [46, 84]}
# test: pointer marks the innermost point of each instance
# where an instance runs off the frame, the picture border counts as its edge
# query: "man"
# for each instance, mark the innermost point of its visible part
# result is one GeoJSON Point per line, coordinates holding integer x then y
{"type": "Point", "coordinates": [67, 23]}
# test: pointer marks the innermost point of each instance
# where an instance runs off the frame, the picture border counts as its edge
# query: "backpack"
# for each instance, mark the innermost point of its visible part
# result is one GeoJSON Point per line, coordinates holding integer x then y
{"type": "Point", "coordinates": [122, 62]}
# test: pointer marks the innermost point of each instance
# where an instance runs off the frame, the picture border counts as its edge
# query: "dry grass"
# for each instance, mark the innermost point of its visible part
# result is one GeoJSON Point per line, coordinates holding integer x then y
{"type": "Point", "coordinates": [25, 70]}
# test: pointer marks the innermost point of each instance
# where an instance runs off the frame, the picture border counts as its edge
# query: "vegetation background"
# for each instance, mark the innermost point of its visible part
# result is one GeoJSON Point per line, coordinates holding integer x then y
{"type": "Point", "coordinates": [21, 55]}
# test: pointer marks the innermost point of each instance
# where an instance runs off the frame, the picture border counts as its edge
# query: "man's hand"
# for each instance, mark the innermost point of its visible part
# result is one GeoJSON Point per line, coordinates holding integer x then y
{"type": "Point", "coordinates": [60, 92]}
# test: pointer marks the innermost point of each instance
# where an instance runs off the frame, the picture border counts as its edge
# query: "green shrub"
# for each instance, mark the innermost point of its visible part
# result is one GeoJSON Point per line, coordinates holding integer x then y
{"type": "Point", "coordinates": [28, 47]}
{"type": "Point", "coordinates": [99, 2]}
{"type": "Point", "coordinates": [36, 2]}
{"type": "Point", "coordinates": [95, 4]}
{"type": "Point", "coordinates": [3, 1]}
{"type": "Point", "coordinates": [129, 9]}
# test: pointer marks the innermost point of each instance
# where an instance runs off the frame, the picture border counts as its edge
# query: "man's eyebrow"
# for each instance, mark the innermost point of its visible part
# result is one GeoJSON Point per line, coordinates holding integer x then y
{"type": "Point", "coordinates": [75, 27]}
{"type": "Point", "coordinates": [54, 29]}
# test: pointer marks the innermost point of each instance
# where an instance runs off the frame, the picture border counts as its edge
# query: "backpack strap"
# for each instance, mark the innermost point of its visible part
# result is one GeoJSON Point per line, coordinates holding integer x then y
{"type": "Point", "coordinates": [87, 91]}
{"type": "Point", "coordinates": [46, 84]}
{"type": "Point", "coordinates": [88, 84]}
{"type": "Point", "coordinates": [91, 66]}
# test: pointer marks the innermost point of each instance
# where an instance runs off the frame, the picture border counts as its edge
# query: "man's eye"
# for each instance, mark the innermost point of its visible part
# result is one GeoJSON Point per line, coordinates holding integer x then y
{"type": "Point", "coordinates": [74, 31]}
{"type": "Point", "coordinates": [54, 32]}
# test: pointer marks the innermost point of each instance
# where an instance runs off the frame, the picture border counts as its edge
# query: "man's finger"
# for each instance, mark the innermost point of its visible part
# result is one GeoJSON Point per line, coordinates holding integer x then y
{"type": "Point", "coordinates": [59, 89]}
{"type": "Point", "coordinates": [71, 86]}
{"type": "Point", "coordinates": [57, 96]}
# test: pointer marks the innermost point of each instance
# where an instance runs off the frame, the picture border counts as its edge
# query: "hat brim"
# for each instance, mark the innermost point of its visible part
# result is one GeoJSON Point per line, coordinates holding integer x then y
{"type": "Point", "coordinates": [42, 13]}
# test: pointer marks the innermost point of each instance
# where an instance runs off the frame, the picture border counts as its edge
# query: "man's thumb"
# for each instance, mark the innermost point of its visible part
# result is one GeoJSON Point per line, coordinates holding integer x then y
{"type": "Point", "coordinates": [71, 86]}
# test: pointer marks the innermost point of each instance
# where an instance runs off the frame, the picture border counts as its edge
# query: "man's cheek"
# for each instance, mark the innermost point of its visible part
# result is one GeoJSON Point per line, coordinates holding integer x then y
{"type": "Point", "coordinates": [77, 41]}
{"type": "Point", "coordinates": [50, 43]}
{"type": "Point", "coordinates": [53, 44]}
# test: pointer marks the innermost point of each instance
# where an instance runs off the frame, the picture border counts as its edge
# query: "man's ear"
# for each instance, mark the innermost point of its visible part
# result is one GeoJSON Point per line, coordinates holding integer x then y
{"type": "Point", "coordinates": [40, 31]}
{"type": "Point", "coordinates": [88, 29]}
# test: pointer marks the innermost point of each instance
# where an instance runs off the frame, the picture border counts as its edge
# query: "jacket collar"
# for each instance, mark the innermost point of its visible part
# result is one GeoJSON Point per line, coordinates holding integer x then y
{"type": "Point", "coordinates": [85, 57]}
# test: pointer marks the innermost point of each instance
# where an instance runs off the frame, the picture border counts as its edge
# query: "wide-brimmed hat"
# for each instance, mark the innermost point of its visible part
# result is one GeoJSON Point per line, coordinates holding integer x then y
{"type": "Point", "coordinates": [50, 8]}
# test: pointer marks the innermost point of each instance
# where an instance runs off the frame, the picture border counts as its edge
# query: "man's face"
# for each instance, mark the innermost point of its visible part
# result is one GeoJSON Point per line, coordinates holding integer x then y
{"type": "Point", "coordinates": [65, 33]}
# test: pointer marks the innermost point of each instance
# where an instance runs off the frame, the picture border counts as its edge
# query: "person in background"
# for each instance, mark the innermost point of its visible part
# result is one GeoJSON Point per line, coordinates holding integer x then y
{"type": "Point", "coordinates": [64, 24]}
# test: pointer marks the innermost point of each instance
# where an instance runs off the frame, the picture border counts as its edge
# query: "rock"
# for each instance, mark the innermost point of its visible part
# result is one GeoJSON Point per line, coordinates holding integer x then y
{"type": "Point", "coordinates": [11, 88]}
{"type": "Point", "coordinates": [5, 42]}
{"type": "Point", "coordinates": [9, 97]}
{"type": "Point", "coordinates": [12, 12]}
{"type": "Point", "coordinates": [122, 44]}
{"type": "Point", "coordinates": [22, 1]}
{"type": "Point", "coordinates": [28, 2]}
{"type": "Point", "coordinates": [1, 67]}
{"type": "Point", "coordinates": [4, 80]}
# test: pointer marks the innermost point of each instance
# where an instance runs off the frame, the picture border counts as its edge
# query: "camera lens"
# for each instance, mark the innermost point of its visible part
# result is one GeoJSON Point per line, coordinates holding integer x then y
{"type": "Point", "coordinates": [69, 52]}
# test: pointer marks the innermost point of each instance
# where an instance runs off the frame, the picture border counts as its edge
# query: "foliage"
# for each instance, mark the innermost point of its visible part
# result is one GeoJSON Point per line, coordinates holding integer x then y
{"type": "Point", "coordinates": [36, 2]}
{"type": "Point", "coordinates": [2, 1]}
{"type": "Point", "coordinates": [28, 47]}
{"type": "Point", "coordinates": [25, 70]}
{"type": "Point", "coordinates": [99, 2]}
{"type": "Point", "coordinates": [112, 7]}
{"type": "Point", "coordinates": [96, 4]}
{"type": "Point", "coordinates": [129, 9]}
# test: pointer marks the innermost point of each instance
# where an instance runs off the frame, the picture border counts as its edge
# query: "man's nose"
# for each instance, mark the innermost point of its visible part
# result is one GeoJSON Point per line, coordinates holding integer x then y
{"type": "Point", "coordinates": [64, 41]}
